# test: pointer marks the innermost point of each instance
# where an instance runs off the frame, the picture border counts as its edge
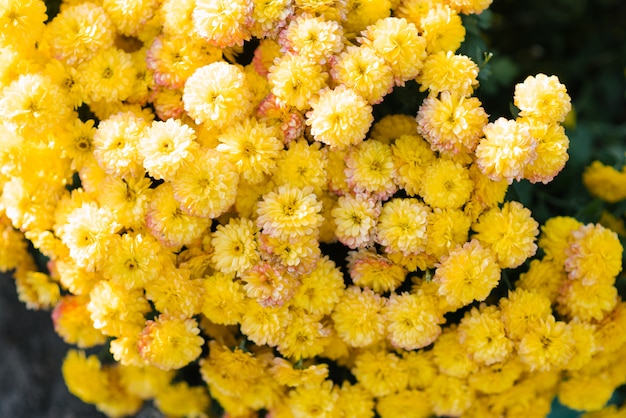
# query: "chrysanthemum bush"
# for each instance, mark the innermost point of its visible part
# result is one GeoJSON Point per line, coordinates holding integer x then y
{"type": "Point", "coordinates": [251, 239]}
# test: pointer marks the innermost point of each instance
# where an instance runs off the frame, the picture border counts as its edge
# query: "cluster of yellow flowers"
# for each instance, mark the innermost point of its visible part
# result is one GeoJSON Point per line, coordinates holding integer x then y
{"type": "Point", "coordinates": [249, 235]}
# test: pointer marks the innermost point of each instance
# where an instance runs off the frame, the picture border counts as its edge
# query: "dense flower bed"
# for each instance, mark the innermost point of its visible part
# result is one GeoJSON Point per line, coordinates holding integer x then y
{"type": "Point", "coordinates": [225, 217]}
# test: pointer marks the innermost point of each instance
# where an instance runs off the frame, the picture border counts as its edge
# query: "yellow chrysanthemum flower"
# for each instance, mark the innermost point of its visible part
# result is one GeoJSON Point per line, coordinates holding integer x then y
{"type": "Point", "coordinates": [402, 226]}
{"type": "Point", "coordinates": [481, 333]}
{"type": "Point", "coordinates": [381, 372]}
{"type": "Point", "coordinates": [303, 164]}
{"type": "Point", "coordinates": [358, 317]}
{"type": "Point", "coordinates": [412, 320]}
{"type": "Point", "coordinates": [115, 310]}
{"type": "Point", "coordinates": [313, 37]}
{"type": "Point", "coordinates": [182, 400]}
{"type": "Point", "coordinates": [445, 71]}
{"type": "Point", "coordinates": [290, 211]}
{"type": "Point", "coordinates": [594, 255]}
{"type": "Point", "coordinates": [368, 269]}
{"type": "Point", "coordinates": [399, 43]}
{"type": "Point", "coordinates": [543, 276]}
{"type": "Point", "coordinates": [522, 310]}
{"type": "Point", "coordinates": [451, 122]}
{"type": "Point", "coordinates": [467, 273]}
{"type": "Point", "coordinates": [169, 342]}
{"type": "Point", "coordinates": [542, 97]}
{"type": "Point", "coordinates": [411, 156]}
{"type": "Point", "coordinates": [79, 31]}
{"type": "Point", "coordinates": [369, 169]}
{"type": "Point", "coordinates": [223, 299]}
{"type": "Point", "coordinates": [551, 151]}
{"type": "Point", "coordinates": [393, 126]}
{"type": "Point", "coordinates": [446, 184]}
{"type": "Point", "coordinates": [321, 289]}
{"type": "Point", "coordinates": [223, 23]}
{"type": "Point", "coordinates": [294, 80]}
{"type": "Point", "coordinates": [446, 229]}
{"type": "Point", "coordinates": [510, 232]}
{"type": "Point", "coordinates": [505, 150]}
{"type": "Point", "coordinates": [355, 218]}
{"type": "Point", "coordinates": [252, 146]}
{"type": "Point", "coordinates": [605, 182]}
{"type": "Point", "coordinates": [555, 235]}
{"type": "Point", "coordinates": [339, 117]}
{"type": "Point", "coordinates": [217, 94]}
{"type": "Point", "coordinates": [361, 69]}
{"type": "Point", "coordinates": [450, 395]}
{"type": "Point", "coordinates": [548, 345]}
{"type": "Point", "coordinates": [108, 76]}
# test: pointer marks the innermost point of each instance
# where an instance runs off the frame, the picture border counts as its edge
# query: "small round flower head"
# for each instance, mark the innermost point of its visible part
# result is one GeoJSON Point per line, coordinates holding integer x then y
{"type": "Point", "coordinates": [586, 302]}
{"type": "Point", "coordinates": [446, 184]}
{"type": "Point", "coordinates": [510, 232]}
{"type": "Point", "coordinates": [451, 122]}
{"type": "Point", "coordinates": [116, 144]}
{"type": "Point", "coordinates": [207, 185]}
{"type": "Point", "coordinates": [605, 182]}
{"type": "Point", "coordinates": [467, 7]}
{"type": "Point", "coordinates": [358, 317]}
{"type": "Point", "coordinates": [552, 146]}
{"type": "Point", "coordinates": [165, 146]}
{"type": "Point", "coordinates": [173, 59]}
{"type": "Point", "coordinates": [86, 234]}
{"type": "Point", "coordinates": [294, 80]}
{"type": "Point", "coordinates": [442, 28]}
{"type": "Point", "coordinates": [79, 32]}
{"type": "Point", "coordinates": [402, 226]}
{"type": "Point", "coordinates": [133, 260]}
{"type": "Point", "coordinates": [129, 17]}
{"type": "Point", "coordinates": [126, 197]}
{"type": "Point", "coordinates": [223, 23]}
{"type": "Point", "coordinates": [35, 289]}
{"type": "Point", "coordinates": [362, 70]}
{"type": "Point", "coordinates": [369, 169]}
{"type": "Point", "coordinates": [393, 126]}
{"type": "Point", "coordinates": [72, 322]}
{"type": "Point", "coordinates": [287, 375]}
{"type": "Point", "coordinates": [505, 150]}
{"type": "Point", "coordinates": [252, 147]}
{"type": "Point", "coordinates": [223, 299]}
{"type": "Point", "coordinates": [450, 357]}
{"type": "Point", "coordinates": [381, 372]}
{"type": "Point", "coordinates": [314, 37]}
{"type": "Point", "coordinates": [445, 71]}
{"type": "Point", "coordinates": [339, 117]}
{"type": "Point", "coordinates": [67, 78]}
{"type": "Point", "coordinates": [446, 229]}
{"type": "Point", "coordinates": [585, 392]}
{"type": "Point", "coordinates": [548, 345]}
{"type": "Point", "coordinates": [108, 76]}
{"type": "Point", "coordinates": [264, 55]}
{"type": "Point", "coordinates": [176, 16]}
{"type": "Point", "coordinates": [481, 332]}
{"type": "Point", "coordinates": [21, 22]}
{"type": "Point", "coordinates": [301, 165]}
{"type": "Point", "coordinates": [363, 13]}
{"type": "Point", "coordinates": [542, 97]}
{"type": "Point", "coordinates": [544, 277]}
{"type": "Point", "coordinates": [609, 333]}
{"type": "Point", "coordinates": [395, 404]}
{"type": "Point", "coordinates": [321, 289]}
{"type": "Point", "coordinates": [182, 399]}
{"type": "Point", "coordinates": [355, 217]}
{"type": "Point", "coordinates": [498, 377]}
{"type": "Point", "coordinates": [259, 86]}
{"type": "Point", "coordinates": [467, 273]}
{"type": "Point", "coordinates": [264, 324]}
{"type": "Point", "coordinates": [172, 227]}
{"type": "Point", "coordinates": [217, 94]}
{"type": "Point", "coordinates": [522, 310]}
{"type": "Point", "coordinates": [84, 376]}
{"type": "Point", "coordinates": [170, 342]}
{"type": "Point", "coordinates": [296, 256]}
{"type": "Point", "coordinates": [305, 337]}
{"type": "Point", "coordinates": [399, 43]}
{"type": "Point", "coordinates": [411, 156]}
{"type": "Point", "coordinates": [174, 292]}
{"type": "Point", "coordinates": [374, 271]}
{"type": "Point", "coordinates": [234, 246]}
{"type": "Point", "coordinates": [290, 211]}
{"type": "Point", "coordinates": [116, 310]}
{"type": "Point", "coordinates": [412, 320]}
{"type": "Point", "coordinates": [450, 396]}
{"type": "Point", "coordinates": [32, 105]}
{"type": "Point", "coordinates": [594, 255]}
{"type": "Point", "coordinates": [269, 18]}
{"type": "Point", "coordinates": [555, 234]}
